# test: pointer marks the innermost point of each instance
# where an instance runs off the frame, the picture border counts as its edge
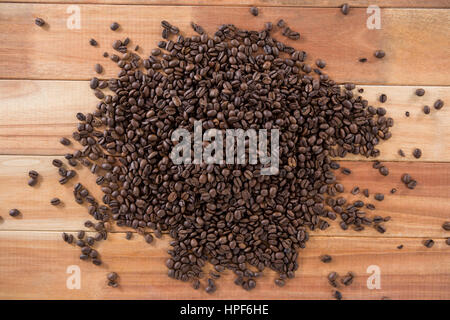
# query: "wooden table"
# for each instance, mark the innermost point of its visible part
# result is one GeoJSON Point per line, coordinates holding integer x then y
{"type": "Point", "coordinates": [44, 73]}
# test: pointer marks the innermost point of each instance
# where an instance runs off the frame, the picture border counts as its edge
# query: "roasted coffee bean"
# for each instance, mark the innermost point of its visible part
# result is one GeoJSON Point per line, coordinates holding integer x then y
{"type": "Point", "coordinates": [320, 63]}
{"type": "Point", "coordinates": [366, 193]}
{"type": "Point", "coordinates": [55, 202]}
{"type": "Point", "coordinates": [400, 247]}
{"type": "Point", "coordinates": [128, 235]}
{"type": "Point", "coordinates": [33, 174]}
{"type": "Point", "coordinates": [383, 98]}
{"type": "Point", "coordinates": [417, 153]}
{"type": "Point", "coordinates": [93, 42]}
{"type": "Point", "coordinates": [333, 276]}
{"type": "Point", "coordinates": [254, 11]}
{"type": "Point", "coordinates": [98, 68]}
{"type": "Point", "coordinates": [379, 54]}
{"type": "Point", "coordinates": [384, 170]}
{"type": "Point", "coordinates": [112, 276]}
{"type": "Point", "coordinates": [97, 262]}
{"type": "Point", "coordinates": [362, 60]}
{"type": "Point", "coordinates": [438, 104]}
{"type": "Point", "coordinates": [379, 196]}
{"type": "Point", "coordinates": [346, 171]}
{"type": "Point", "coordinates": [14, 212]}
{"type": "Point", "coordinates": [32, 182]}
{"type": "Point", "coordinates": [428, 243]}
{"type": "Point", "coordinates": [39, 22]}
{"type": "Point", "coordinates": [64, 141]}
{"type": "Point", "coordinates": [114, 26]}
{"type": "Point", "coordinates": [345, 8]}
{"type": "Point", "coordinates": [325, 258]}
{"type": "Point", "coordinates": [426, 110]}
{"type": "Point", "coordinates": [57, 163]}
{"type": "Point", "coordinates": [81, 234]}
{"type": "Point", "coordinates": [393, 190]}
{"type": "Point", "coordinates": [337, 295]}
{"type": "Point", "coordinates": [446, 226]}
{"type": "Point", "coordinates": [355, 190]}
{"type": "Point", "coordinates": [447, 241]}
{"type": "Point", "coordinates": [420, 92]}
{"type": "Point", "coordinates": [148, 238]}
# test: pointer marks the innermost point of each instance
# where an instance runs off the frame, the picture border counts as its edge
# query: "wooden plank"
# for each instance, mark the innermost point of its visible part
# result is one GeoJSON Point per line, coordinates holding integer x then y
{"type": "Point", "coordinates": [414, 213]}
{"type": "Point", "coordinates": [33, 265]}
{"type": "Point", "coordinates": [414, 46]}
{"type": "Point", "coordinates": [264, 3]}
{"type": "Point", "coordinates": [35, 114]}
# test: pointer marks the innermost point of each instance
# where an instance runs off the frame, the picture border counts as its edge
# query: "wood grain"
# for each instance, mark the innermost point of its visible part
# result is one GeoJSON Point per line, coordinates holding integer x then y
{"type": "Point", "coordinates": [35, 114]}
{"type": "Point", "coordinates": [33, 266]}
{"type": "Point", "coordinates": [415, 48]}
{"type": "Point", "coordinates": [414, 213]}
{"type": "Point", "coordinates": [265, 3]}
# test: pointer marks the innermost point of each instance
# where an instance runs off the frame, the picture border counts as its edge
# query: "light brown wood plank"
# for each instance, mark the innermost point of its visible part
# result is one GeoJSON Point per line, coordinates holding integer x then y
{"type": "Point", "coordinates": [265, 3]}
{"type": "Point", "coordinates": [33, 266]}
{"type": "Point", "coordinates": [414, 213]}
{"type": "Point", "coordinates": [35, 114]}
{"type": "Point", "coordinates": [416, 50]}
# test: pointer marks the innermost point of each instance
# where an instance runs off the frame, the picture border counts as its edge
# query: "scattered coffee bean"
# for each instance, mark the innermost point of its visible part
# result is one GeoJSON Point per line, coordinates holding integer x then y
{"type": "Point", "coordinates": [383, 98]}
{"type": "Point", "coordinates": [320, 63]}
{"type": "Point", "coordinates": [55, 202]}
{"type": "Point", "coordinates": [447, 241]}
{"type": "Point", "coordinates": [401, 153]}
{"type": "Point", "coordinates": [446, 226]}
{"type": "Point", "coordinates": [81, 234]}
{"type": "Point", "coordinates": [384, 170]}
{"type": "Point", "coordinates": [14, 212]}
{"type": "Point", "coordinates": [254, 11]}
{"type": "Point", "coordinates": [64, 141]}
{"type": "Point", "coordinates": [355, 190]}
{"type": "Point", "coordinates": [128, 235]}
{"type": "Point", "coordinates": [407, 113]}
{"type": "Point", "coordinates": [417, 153]}
{"type": "Point", "coordinates": [428, 243]}
{"type": "Point", "coordinates": [366, 193]}
{"type": "Point", "coordinates": [114, 26]}
{"type": "Point", "coordinates": [98, 68]}
{"type": "Point", "coordinates": [379, 196]}
{"type": "Point", "coordinates": [379, 54]}
{"type": "Point", "coordinates": [32, 182]}
{"type": "Point", "coordinates": [39, 22]}
{"type": "Point", "coordinates": [325, 258]}
{"type": "Point", "coordinates": [346, 171]}
{"type": "Point", "coordinates": [362, 60]}
{"type": "Point", "coordinates": [337, 295]}
{"type": "Point", "coordinates": [420, 92]}
{"type": "Point", "coordinates": [438, 104]}
{"type": "Point", "coordinates": [426, 109]}
{"type": "Point", "coordinates": [57, 163]}
{"type": "Point", "coordinates": [393, 190]}
{"type": "Point", "coordinates": [93, 42]}
{"type": "Point", "coordinates": [345, 8]}
{"type": "Point", "coordinates": [112, 276]}
{"type": "Point", "coordinates": [400, 247]}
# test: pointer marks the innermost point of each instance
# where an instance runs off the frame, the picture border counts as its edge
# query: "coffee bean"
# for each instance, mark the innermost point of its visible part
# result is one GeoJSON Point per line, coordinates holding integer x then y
{"type": "Point", "coordinates": [383, 98]}
{"type": "Point", "coordinates": [407, 113]}
{"type": "Point", "coordinates": [447, 241]}
{"type": "Point", "coordinates": [362, 60]}
{"type": "Point", "coordinates": [128, 235]}
{"type": "Point", "coordinates": [57, 163]}
{"type": "Point", "coordinates": [320, 63]}
{"type": "Point", "coordinates": [325, 258]}
{"type": "Point", "coordinates": [112, 276]}
{"type": "Point", "coordinates": [379, 196]}
{"type": "Point", "coordinates": [337, 295]}
{"type": "Point", "coordinates": [33, 174]}
{"type": "Point", "coordinates": [428, 243]}
{"type": "Point", "coordinates": [355, 190]}
{"type": "Point", "coordinates": [55, 202]}
{"type": "Point", "coordinates": [98, 68]}
{"type": "Point", "coordinates": [366, 193]}
{"type": "Point", "coordinates": [345, 8]}
{"type": "Point", "coordinates": [420, 92]}
{"type": "Point", "coordinates": [14, 212]}
{"type": "Point", "coordinates": [379, 54]}
{"type": "Point", "coordinates": [393, 190]}
{"type": "Point", "coordinates": [384, 171]}
{"type": "Point", "coordinates": [32, 182]}
{"type": "Point", "coordinates": [114, 26]}
{"type": "Point", "coordinates": [446, 226]}
{"type": "Point", "coordinates": [346, 171]}
{"type": "Point", "coordinates": [81, 234]}
{"type": "Point", "coordinates": [426, 109]}
{"type": "Point", "coordinates": [254, 11]}
{"type": "Point", "coordinates": [401, 153]}
{"type": "Point", "coordinates": [417, 153]}
{"type": "Point", "coordinates": [400, 247]}
{"type": "Point", "coordinates": [93, 42]}
{"type": "Point", "coordinates": [148, 238]}
{"type": "Point", "coordinates": [97, 262]}
{"type": "Point", "coordinates": [39, 22]}
{"type": "Point", "coordinates": [64, 141]}
{"type": "Point", "coordinates": [438, 104]}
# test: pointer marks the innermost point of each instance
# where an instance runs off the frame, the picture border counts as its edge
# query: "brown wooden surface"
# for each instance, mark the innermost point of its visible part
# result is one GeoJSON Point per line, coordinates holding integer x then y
{"type": "Point", "coordinates": [414, 39]}
{"type": "Point", "coordinates": [266, 3]}
{"type": "Point", "coordinates": [41, 91]}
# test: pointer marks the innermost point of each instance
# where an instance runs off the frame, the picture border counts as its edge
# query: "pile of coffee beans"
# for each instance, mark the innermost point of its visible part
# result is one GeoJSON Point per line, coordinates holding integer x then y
{"type": "Point", "coordinates": [226, 214]}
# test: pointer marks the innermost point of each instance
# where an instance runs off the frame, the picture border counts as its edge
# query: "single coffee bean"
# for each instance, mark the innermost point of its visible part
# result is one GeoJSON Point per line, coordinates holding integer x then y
{"type": "Point", "coordinates": [97, 262]}
{"type": "Point", "coordinates": [320, 63]}
{"type": "Point", "coordinates": [112, 276]}
{"type": "Point", "coordinates": [93, 42]}
{"type": "Point", "coordinates": [379, 54]}
{"type": "Point", "coordinates": [401, 153]}
{"type": "Point", "coordinates": [33, 174]}
{"type": "Point", "coordinates": [384, 171]}
{"type": "Point", "coordinates": [420, 92]}
{"type": "Point", "coordinates": [39, 22]}
{"type": "Point", "coordinates": [383, 98]}
{"type": "Point", "coordinates": [129, 235]}
{"type": "Point", "coordinates": [32, 182]}
{"type": "Point", "coordinates": [355, 190]}
{"type": "Point", "coordinates": [428, 243]}
{"type": "Point", "coordinates": [447, 241]}
{"type": "Point", "coordinates": [114, 26]}
{"type": "Point", "coordinates": [81, 234]}
{"type": "Point", "coordinates": [148, 238]}
{"type": "Point", "coordinates": [254, 11]}
{"type": "Point", "coordinates": [393, 190]}
{"type": "Point", "coordinates": [407, 113]}
{"type": "Point", "coordinates": [366, 193]}
{"type": "Point", "coordinates": [98, 68]}
{"type": "Point", "coordinates": [438, 104]}
{"type": "Point", "coordinates": [426, 109]}
{"type": "Point", "coordinates": [280, 282]}
{"type": "Point", "coordinates": [379, 196]}
{"type": "Point", "coordinates": [346, 171]}
{"type": "Point", "coordinates": [64, 141]}
{"type": "Point", "coordinates": [417, 153]}
{"type": "Point", "coordinates": [362, 60]}
{"type": "Point", "coordinates": [325, 258]}
{"type": "Point", "coordinates": [345, 8]}
{"type": "Point", "coordinates": [337, 295]}
{"type": "Point", "coordinates": [14, 212]}
{"type": "Point", "coordinates": [57, 163]}
{"type": "Point", "coordinates": [55, 202]}
{"type": "Point", "coordinates": [446, 226]}
{"type": "Point", "coordinates": [400, 247]}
